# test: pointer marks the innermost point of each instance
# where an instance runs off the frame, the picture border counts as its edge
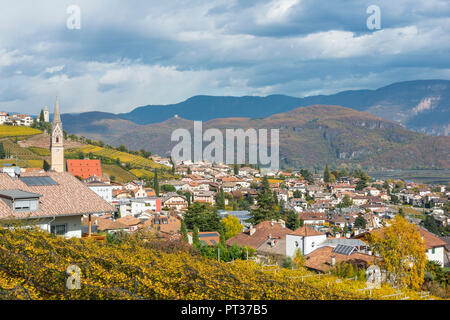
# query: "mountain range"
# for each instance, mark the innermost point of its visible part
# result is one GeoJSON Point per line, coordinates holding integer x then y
{"type": "Point", "coordinates": [421, 105]}
{"type": "Point", "coordinates": [370, 131]}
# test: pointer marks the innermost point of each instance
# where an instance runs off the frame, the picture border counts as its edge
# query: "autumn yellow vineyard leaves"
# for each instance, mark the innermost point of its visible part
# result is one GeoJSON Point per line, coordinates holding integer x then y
{"type": "Point", "coordinates": [33, 265]}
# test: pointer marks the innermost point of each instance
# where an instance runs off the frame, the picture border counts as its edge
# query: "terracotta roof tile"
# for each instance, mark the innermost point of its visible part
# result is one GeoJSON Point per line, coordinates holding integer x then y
{"type": "Point", "coordinates": [320, 259]}
{"type": "Point", "coordinates": [68, 197]}
{"type": "Point", "coordinates": [262, 232]}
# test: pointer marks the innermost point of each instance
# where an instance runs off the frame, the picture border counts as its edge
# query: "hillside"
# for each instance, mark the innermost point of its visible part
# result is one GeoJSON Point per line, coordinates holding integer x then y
{"type": "Point", "coordinates": [315, 135]}
{"type": "Point", "coordinates": [33, 147]}
{"type": "Point", "coordinates": [33, 265]}
{"type": "Point", "coordinates": [422, 105]}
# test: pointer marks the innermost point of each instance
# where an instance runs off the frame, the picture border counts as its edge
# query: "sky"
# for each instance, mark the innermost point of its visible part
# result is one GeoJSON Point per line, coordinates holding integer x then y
{"type": "Point", "coordinates": [124, 54]}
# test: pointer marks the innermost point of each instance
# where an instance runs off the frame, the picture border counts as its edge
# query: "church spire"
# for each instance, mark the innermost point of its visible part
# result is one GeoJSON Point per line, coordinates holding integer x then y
{"type": "Point", "coordinates": [56, 116]}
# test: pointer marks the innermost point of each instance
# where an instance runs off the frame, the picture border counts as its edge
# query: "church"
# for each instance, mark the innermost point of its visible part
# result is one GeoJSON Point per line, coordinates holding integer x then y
{"type": "Point", "coordinates": [55, 200]}
{"type": "Point", "coordinates": [57, 141]}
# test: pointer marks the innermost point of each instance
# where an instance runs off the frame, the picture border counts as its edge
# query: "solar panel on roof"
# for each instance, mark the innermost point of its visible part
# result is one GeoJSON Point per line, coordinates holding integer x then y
{"type": "Point", "coordinates": [343, 249]}
{"type": "Point", "coordinates": [207, 235]}
{"type": "Point", "coordinates": [38, 181]}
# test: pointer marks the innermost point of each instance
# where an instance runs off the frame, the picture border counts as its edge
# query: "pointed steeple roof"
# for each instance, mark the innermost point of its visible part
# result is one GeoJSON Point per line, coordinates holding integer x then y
{"type": "Point", "coordinates": [56, 116]}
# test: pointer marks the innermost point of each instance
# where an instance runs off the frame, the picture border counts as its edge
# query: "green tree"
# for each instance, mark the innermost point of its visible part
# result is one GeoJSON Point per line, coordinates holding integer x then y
{"type": "Point", "coordinates": [204, 216]}
{"type": "Point", "coordinates": [326, 174]}
{"type": "Point", "coordinates": [168, 188]}
{"type": "Point", "coordinates": [2, 151]}
{"type": "Point", "coordinates": [431, 225]}
{"type": "Point", "coordinates": [236, 169]}
{"type": "Point", "coordinates": [307, 176]}
{"type": "Point", "coordinates": [46, 166]}
{"type": "Point", "coordinates": [292, 221]}
{"type": "Point", "coordinates": [265, 204]}
{"type": "Point", "coordinates": [195, 238]}
{"type": "Point", "coordinates": [41, 116]}
{"type": "Point", "coordinates": [220, 200]}
{"type": "Point", "coordinates": [360, 222]}
{"type": "Point", "coordinates": [156, 183]}
{"type": "Point", "coordinates": [183, 231]}
{"type": "Point", "coordinates": [346, 202]}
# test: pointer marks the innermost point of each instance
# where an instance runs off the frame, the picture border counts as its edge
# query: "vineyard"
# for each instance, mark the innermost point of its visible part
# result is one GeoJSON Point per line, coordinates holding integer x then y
{"type": "Point", "coordinates": [134, 160]}
{"type": "Point", "coordinates": [121, 175]}
{"type": "Point", "coordinates": [17, 131]}
{"type": "Point", "coordinates": [33, 265]}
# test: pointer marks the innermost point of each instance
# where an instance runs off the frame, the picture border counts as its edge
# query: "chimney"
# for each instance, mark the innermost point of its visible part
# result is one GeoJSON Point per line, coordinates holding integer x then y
{"type": "Point", "coordinates": [333, 261]}
{"type": "Point", "coordinates": [252, 230]}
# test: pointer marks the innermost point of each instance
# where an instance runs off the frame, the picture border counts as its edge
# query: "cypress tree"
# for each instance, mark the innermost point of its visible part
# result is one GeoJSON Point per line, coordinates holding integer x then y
{"type": "Point", "coordinates": [41, 116]}
{"type": "Point", "coordinates": [326, 174]}
{"type": "Point", "coordinates": [265, 203]}
{"type": "Point", "coordinates": [183, 231]}
{"type": "Point", "coordinates": [220, 201]}
{"type": "Point", "coordinates": [2, 151]}
{"type": "Point", "coordinates": [156, 183]}
{"type": "Point", "coordinates": [195, 238]}
{"type": "Point", "coordinates": [46, 166]}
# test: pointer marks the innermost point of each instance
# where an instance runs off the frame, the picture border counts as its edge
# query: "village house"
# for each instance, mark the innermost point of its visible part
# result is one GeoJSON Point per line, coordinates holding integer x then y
{"type": "Point", "coordinates": [175, 201]}
{"type": "Point", "coordinates": [304, 238]}
{"type": "Point", "coordinates": [205, 197]}
{"type": "Point", "coordinates": [326, 258]}
{"type": "Point", "coordinates": [84, 168]}
{"type": "Point", "coordinates": [268, 238]}
{"type": "Point", "coordinates": [53, 201]}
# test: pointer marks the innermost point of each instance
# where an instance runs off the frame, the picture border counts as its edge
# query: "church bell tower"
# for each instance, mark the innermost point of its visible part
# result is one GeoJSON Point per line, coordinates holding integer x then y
{"type": "Point", "coordinates": [56, 141]}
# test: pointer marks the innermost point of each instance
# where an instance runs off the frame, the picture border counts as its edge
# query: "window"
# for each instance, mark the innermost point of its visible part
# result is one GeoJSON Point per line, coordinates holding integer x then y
{"type": "Point", "coordinates": [59, 229]}
{"type": "Point", "coordinates": [432, 251]}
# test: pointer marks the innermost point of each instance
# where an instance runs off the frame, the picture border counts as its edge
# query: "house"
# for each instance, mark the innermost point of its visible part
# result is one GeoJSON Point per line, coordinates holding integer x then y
{"type": "Point", "coordinates": [205, 197]}
{"type": "Point", "coordinates": [3, 117]}
{"type": "Point", "coordinates": [324, 259]}
{"type": "Point", "coordinates": [103, 190]}
{"type": "Point", "coordinates": [144, 204]}
{"type": "Point", "coordinates": [131, 222]}
{"type": "Point", "coordinates": [268, 238]}
{"type": "Point", "coordinates": [174, 200]}
{"type": "Point", "coordinates": [210, 238]}
{"type": "Point", "coordinates": [101, 224]}
{"type": "Point", "coordinates": [434, 246]}
{"type": "Point", "coordinates": [171, 224]}
{"type": "Point", "coordinates": [304, 238]}
{"type": "Point", "coordinates": [313, 218]}
{"type": "Point", "coordinates": [54, 201]}
{"type": "Point", "coordinates": [84, 168]}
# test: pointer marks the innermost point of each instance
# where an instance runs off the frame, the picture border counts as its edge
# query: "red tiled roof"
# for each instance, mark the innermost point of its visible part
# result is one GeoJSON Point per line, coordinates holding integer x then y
{"type": "Point", "coordinates": [84, 168]}
{"type": "Point", "coordinates": [263, 231]}
{"type": "Point", "coordinates": [320, 259]}
{"type": "Point", "coordinates": [306, 231]}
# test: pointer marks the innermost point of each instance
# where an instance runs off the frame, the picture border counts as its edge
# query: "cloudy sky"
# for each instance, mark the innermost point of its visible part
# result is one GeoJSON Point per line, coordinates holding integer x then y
{"type": "Point", "coordinates": [133, 53]}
